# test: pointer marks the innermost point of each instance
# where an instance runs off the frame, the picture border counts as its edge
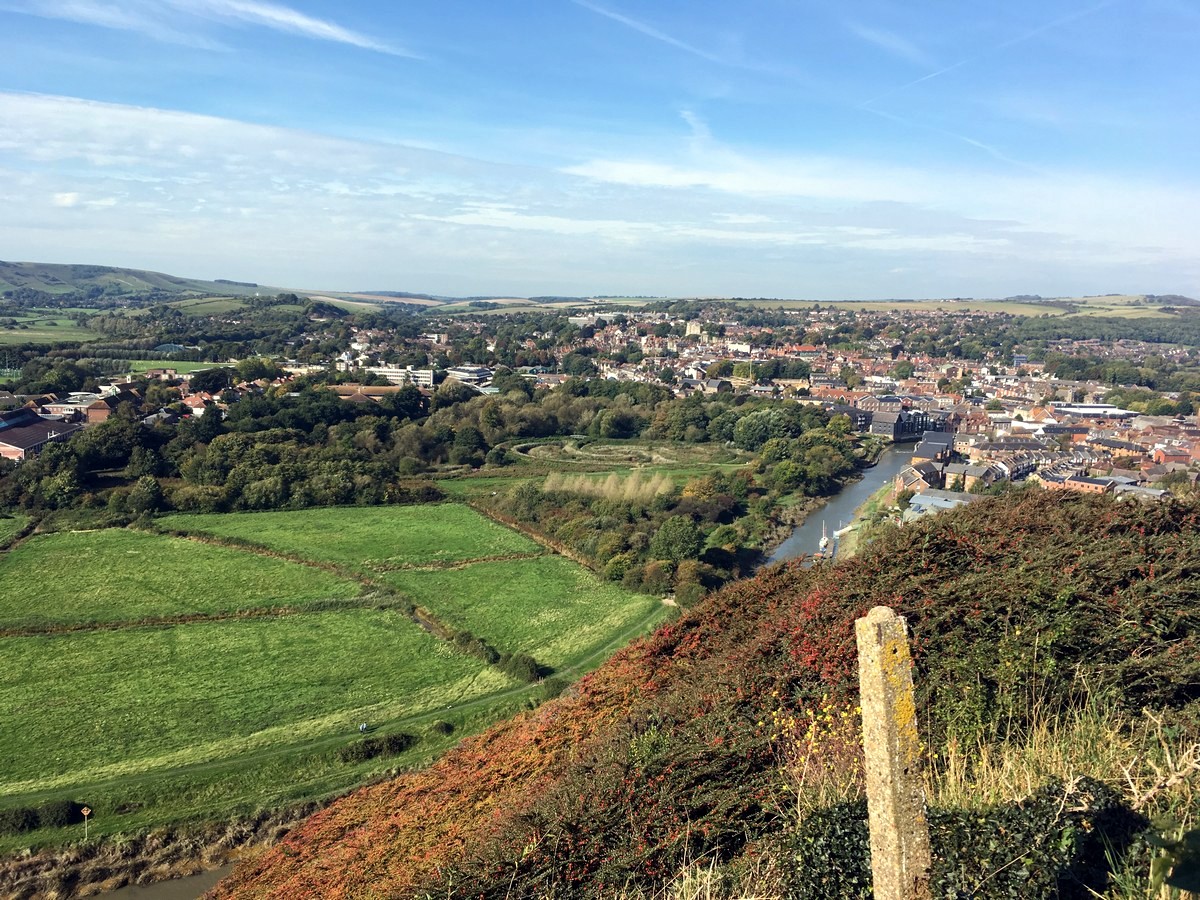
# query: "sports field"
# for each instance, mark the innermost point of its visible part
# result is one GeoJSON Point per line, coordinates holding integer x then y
{"type": "Point", "coordinates": [138, 366]}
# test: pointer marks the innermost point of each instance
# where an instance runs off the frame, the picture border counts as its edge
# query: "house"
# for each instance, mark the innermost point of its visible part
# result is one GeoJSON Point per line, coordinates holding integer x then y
{"type": "Point", "coordinates": [23, 433]}
{"type": "Point", "coordinates": [934, 501]}
{"type": "Point", "coordinates": [972, 475]}
{"type": "Point", "coordinates": [917, 478]}
{"type": "Point", "coordinates": [1165, 455]}
{"type": "Point", "coordinates": [1139, 492]}
{"type": "Point", "coordinates": [934, 445]}
{"type": "Point", "coordinates": [1083, 485]}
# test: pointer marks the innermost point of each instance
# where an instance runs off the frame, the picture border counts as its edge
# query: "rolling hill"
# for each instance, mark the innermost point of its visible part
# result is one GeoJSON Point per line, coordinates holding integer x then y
{"type": "Point", "coordinates": [54, 278]}
{"type": "Point", "coordinates": [706, 741]}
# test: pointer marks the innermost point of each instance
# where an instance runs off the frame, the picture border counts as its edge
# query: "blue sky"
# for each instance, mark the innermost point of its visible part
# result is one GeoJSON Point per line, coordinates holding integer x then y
{"type": "Point", "coordinates": [776, 148]}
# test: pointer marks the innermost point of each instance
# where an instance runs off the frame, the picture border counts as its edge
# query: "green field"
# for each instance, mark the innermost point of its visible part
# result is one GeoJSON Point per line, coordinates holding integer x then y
{"type": "Point", "coordinates": [10, 526]}
{"type": "Point", "coordinates": [46, 327]}
{"type": "Point", "coordinates": [138, 366]}
{"type": "Point", "coordinates": [118, 575]}
{"type": "Point", "coordinates": [368, 539]}
{"type": "Point", "coordinates": [118, 702]}
{"type": "Point", "coordinates": [154, 723]}
{"type": "Point", "coordinates": [208, 306]}
{"type": "Point", "coordinates": [550, 608]}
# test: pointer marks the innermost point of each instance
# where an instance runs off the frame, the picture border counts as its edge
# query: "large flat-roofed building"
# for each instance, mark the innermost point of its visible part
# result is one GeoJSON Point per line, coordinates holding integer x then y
{"type": "Point", "coordinates": [23, 433]}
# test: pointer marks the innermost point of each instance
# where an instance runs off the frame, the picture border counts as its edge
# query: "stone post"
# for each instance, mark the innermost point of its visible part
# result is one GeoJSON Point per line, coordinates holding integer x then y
{"type": "Point", "coordinates": [900, 854]}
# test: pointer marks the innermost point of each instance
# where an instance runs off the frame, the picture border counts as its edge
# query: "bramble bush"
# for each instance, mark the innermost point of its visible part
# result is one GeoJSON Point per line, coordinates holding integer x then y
{"type": "Point", "coordinates": [1019, 608]}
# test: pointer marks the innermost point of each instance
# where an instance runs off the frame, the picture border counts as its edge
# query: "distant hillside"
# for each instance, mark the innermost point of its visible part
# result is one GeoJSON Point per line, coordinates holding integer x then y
{"type": "Point", "coordinates": [675, 750]}
{"type": "Point", "coordinates": [53, 278]}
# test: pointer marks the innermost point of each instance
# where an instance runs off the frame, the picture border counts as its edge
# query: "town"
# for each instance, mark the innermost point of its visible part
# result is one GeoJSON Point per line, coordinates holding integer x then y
{"type": "Point", "coordinates": [982, 406]}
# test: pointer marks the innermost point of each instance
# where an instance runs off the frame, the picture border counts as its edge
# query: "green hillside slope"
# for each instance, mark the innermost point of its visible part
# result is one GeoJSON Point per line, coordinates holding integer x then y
{"type": "Point", "coordinates": [54, 278]}
{"type": "Point", "coordinates": [705, 742]}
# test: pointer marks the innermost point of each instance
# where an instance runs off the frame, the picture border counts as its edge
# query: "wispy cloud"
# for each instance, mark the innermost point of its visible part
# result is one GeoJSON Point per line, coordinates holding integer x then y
{"type": "Point", "coordinates": [650, 31]}
{"type": "Point", "coordinates": [173, 21]}
{"type": "Point", "coordinates": [1003, 45]}
{"type": "Point", "coordinates": [136, 17]}
{"type": "Point", "coordinates": [893, 43]}
{"type": "Point", "coordinates": [285, 19]}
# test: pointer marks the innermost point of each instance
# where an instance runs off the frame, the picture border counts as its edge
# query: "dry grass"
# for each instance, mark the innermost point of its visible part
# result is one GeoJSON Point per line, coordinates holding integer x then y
{"type": "Point", "coordinates": [1157, 767]}
{"type": "Point", "coordinates": [705, 880]}
{"type": "Point", "coordinates": [632, 489]}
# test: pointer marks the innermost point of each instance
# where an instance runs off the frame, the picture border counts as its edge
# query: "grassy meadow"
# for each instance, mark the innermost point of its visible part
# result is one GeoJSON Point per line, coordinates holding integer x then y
{"type": "Point", "coordinates": [118, 575]}
{"type": "Point", "coordinates": [550, 608]}
{"type": "Point", "coordinates": [371, 539]}
{"type": "Point", "coordinates": [297, 637]}
{"type": "Point", "coordinates": [138, 699]}
{"type": "Point", "coordinates": [208, 306]}
{"type": "Point", "coordinates": [44, 328]}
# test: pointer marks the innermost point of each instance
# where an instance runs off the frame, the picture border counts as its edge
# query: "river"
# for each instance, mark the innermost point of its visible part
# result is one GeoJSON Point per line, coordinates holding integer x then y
{"type": "Point", "coordinates": [187, 888]}
{"type": "Point", "coordinates": [839, 511]}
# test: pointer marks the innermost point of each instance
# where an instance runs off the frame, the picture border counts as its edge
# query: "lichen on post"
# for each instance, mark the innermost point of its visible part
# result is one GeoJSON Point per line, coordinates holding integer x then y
{"type": "Point", "coordinates": [900, 855]}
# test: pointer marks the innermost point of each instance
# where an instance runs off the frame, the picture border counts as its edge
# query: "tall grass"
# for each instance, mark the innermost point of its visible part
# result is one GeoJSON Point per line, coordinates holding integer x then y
{"type": "Point", "coordinates": [1156, 766]}
{"type": "Point", "coordinates": [631, 489]}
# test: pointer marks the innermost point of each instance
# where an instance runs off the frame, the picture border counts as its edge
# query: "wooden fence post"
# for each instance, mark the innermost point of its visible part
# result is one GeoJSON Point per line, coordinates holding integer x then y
{"type": "Point", "coordinates": [900, 855]}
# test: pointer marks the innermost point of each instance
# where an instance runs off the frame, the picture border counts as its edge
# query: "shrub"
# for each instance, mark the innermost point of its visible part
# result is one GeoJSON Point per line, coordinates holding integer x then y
{"type": "Point", "coordinates": [689, 594]}
{"type": "Point", "coordinates": [522, 667]}
{"type": "Point", "coordinates": [1053, 844]}
{"type": "Point", "coordinates": [59, 814]}
{"type": "Point", "coordinates": [616, 567]}
{"type": "Point", "coordinates": [477, 647]}
{"type": "Point", "coordinates": [14, 821]}
{"type": "Point", "coordinates": [372, 747]}
{"type": "Point", "coordinates": [656, 578]}
{"type": "Point", "coordinates": [632, 579]}
{"type": "Point", "coordinates": [442, 727]}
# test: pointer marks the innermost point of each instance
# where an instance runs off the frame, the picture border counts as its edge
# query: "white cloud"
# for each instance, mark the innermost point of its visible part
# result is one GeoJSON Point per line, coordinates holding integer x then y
{"type": "Point", "coordinates": [174, 21]}
{"type": "Point", "coordinates": [103, 182]}
{"type": "Point", "coordinates": [283, 18]}
{"type": "Point", "coordinates": [893, 43]}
